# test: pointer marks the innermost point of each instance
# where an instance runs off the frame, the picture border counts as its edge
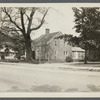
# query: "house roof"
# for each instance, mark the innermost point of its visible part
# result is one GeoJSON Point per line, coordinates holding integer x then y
{"type": "Point", "coordinates": [78, 49]}
{"type": "Point", "coordinates": [2, 50]}
{"type": "Point", "coordinates": [45, 38]}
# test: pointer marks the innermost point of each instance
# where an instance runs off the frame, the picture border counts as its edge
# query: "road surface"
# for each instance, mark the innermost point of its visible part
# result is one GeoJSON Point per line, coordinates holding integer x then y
{"type": "Point", "coordinates": [39, 78]}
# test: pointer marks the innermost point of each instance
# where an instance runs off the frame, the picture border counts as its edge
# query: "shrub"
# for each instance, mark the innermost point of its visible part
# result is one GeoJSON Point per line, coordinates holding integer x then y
{"type": "Point", "coordinates": [69, 59]}
{"type": "Point", "coordinates": [35, 61]}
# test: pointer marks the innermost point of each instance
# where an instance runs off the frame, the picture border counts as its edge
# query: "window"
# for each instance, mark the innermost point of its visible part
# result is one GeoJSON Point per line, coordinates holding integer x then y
{"type": "Point", "coordinates": [55, 54]}
{"type": "Point", "coordinates": [73, 54]}
{"type": "Point", "coordinates": [66, 52]}
{"type": "Point", "coordinates": [55, 42]}
{"type": "Point", "coordinates": [82, 55]}
{"type": "Point", "coordinates": [79, 54]}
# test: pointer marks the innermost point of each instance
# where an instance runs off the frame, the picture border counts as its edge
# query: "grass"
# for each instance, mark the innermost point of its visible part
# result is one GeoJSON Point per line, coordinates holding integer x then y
{"type": "Point", "coordinates": [89, 64]}
{"type": "Point", "coordinates": [19, 61]}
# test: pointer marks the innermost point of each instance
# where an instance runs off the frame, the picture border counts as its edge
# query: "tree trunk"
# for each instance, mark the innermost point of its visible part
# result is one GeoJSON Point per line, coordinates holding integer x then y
{"type": "Point", "coordinates": [28, 48]}
{"type": "Point", "coordinates": [85, 59]}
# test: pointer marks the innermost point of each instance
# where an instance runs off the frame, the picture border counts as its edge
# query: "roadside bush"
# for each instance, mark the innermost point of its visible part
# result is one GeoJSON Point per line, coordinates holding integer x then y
{"type": "Point", "coordinates": [69, 59]}
{"type": "Point", "coordinates": [35, 61]}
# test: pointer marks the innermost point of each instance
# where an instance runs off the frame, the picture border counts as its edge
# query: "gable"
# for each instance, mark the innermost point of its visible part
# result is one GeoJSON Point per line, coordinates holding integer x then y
{"type": "Point", "coordinates": [46, 38]}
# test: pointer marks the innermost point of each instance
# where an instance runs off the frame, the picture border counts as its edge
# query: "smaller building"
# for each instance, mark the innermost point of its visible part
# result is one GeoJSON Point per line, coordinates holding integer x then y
{"type": "Point", "coordinates": [6, 53]}
{"type": "Point", "coordinates": [78, 53]}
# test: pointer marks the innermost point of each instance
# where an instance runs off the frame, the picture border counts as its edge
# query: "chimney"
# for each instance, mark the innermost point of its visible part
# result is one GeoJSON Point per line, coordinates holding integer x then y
{"type": "Point", "coordinates": [47, 31]}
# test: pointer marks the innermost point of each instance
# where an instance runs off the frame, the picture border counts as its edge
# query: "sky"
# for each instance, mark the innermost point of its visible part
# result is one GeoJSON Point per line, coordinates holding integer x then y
{"type": "Point", "coordinates": [60, 16]}
{"type": "Point", "coordinates": [58, 19]}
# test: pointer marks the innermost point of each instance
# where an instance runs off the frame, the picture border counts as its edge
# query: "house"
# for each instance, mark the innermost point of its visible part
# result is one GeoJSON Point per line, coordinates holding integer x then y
{"type": "Point", "coordinates": [52, 49]}
{"type": "Point", "coordinates": [7, 53]}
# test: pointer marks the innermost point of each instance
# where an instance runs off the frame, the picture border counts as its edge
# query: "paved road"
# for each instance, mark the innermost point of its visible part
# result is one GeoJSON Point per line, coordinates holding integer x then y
{"type": "Point", "coordinates": [38, 78]}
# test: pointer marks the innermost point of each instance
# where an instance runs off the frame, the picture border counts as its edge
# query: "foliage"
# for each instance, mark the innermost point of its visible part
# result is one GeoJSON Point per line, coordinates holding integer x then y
{"type": "Point", "coordinates": [72, 40]}
{"type": "Point", "coordinates": [14, 41]}
{"type": "Point", "coordinates": [69, 59]}
{"type": "Point", "coordinates": [87, 23]}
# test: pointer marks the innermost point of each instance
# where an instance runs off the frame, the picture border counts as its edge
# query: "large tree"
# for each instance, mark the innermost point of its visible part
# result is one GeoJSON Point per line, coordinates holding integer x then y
{"type": "Point", "coordinates": [23, 20]}
{"type": "Point", "coordinates": [87, 23]}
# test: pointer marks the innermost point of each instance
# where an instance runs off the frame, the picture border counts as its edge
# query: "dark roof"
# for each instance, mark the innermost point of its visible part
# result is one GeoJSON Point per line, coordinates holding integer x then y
{"type": "Point", "coordinates": [45, 38]}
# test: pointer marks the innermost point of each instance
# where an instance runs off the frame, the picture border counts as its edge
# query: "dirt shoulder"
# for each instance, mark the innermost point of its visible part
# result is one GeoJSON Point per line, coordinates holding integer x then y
{"type": "Point", "coordinates": [75, 66]}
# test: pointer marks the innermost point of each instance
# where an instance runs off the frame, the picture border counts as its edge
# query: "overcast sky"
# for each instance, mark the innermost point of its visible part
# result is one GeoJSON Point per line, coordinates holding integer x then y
{"type": "Point", "coordinates": [58, 19]}
{"type": "Point", "coordinates": [60, 16]}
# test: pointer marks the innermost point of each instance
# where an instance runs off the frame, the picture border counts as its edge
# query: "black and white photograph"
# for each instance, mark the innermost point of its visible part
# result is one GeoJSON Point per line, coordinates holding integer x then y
{"type": "Point", "coordinates": [50, 48]}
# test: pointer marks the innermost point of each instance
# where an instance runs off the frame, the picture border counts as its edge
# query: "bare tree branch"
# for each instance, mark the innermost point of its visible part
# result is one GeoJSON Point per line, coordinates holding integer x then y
{"type": "Point", "coordinates": [42, 21]}
{"type": "Point", "coordinates": [22, 20]}
{"type": "Point", "coordinates": [30, 20]}
{"type": "Point", "coordinates": [27, 16]}
{"type": "Point", "coordinates": [5, 11]}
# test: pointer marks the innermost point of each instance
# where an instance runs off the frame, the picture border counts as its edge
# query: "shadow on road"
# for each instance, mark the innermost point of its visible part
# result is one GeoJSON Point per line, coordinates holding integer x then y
{"type": "Point", "coordinates": [47, 88]}
{"type": "Point", "coordinates": [43, 88]}
{"type": "Point", "coordinates": [93, 88]}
